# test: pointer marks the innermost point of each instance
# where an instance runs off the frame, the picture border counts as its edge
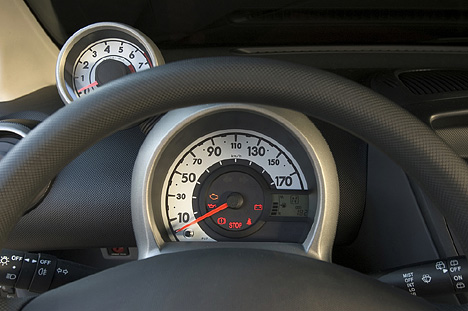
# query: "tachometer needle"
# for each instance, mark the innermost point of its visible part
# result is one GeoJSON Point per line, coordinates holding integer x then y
{"type": "Point", "coordinates": [216, 210]}
{"type": "Point", "coordinates": [95, 83]}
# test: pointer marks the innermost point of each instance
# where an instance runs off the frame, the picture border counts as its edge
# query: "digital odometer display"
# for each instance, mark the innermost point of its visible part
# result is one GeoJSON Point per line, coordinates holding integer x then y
{"type": "Point", "coordinates": [290, 205]}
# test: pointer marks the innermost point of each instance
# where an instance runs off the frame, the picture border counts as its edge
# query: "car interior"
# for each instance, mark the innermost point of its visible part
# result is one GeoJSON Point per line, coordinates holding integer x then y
{"type": "Point", "coordinates": [233, 155]}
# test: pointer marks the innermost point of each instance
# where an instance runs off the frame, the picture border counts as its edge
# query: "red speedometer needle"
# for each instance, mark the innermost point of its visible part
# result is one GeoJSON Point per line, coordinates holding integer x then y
{"type": "Point", "coordinates": [218, 209]}
{"type": "Point", "coordinates": [88, 86]}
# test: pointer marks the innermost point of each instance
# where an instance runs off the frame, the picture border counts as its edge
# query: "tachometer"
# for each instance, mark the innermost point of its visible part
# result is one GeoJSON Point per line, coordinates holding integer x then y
{"type": "Point", "coordinates": [107, 60]}
{"type": "Point", "coordinates": [237, 178]}
{"type": "Point", "coordinates": [100, 53]}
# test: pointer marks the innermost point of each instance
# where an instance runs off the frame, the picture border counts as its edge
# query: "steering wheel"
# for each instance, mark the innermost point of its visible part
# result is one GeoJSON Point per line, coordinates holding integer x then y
{"type": "Point", "coordinates": [231, 279]}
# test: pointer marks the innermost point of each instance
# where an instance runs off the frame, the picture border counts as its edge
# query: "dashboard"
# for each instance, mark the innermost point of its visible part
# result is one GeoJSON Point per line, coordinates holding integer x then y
{"type": "Point", "coordinates": [224, 175]}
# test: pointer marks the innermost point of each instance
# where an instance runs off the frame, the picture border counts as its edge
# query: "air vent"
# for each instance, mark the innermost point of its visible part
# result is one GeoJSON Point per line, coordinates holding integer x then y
{"type": "Point", "coordinates": [435, 81]}
{"type": "Point", "coordinates": [390, 83]}
{"type": "Point", "coordinates": [10, 135]}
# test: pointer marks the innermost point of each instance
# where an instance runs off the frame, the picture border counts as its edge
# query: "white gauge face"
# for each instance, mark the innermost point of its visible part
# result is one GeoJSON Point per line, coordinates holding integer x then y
{"type": "Point", "coordinates": [240, 169]}
{"type": "Point", "coordinates": [107, 60]}
{"type": "Point", "coordinates": [100, 53]}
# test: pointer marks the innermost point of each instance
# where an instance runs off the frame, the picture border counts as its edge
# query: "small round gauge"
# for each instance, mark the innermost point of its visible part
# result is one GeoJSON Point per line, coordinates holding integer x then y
{"type": "Point", "coordinates": [99, 54]}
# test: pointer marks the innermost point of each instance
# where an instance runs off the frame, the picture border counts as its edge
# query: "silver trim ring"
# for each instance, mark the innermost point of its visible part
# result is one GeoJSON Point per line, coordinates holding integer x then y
{"type": "Point", "coordinates": [14, 128]}
{"type": "Point", "coordinates": [319, 241]}
{"type": "Point", "coordinates": [153, 51]}
{"type": "Point", "coordinates": [441, 115]}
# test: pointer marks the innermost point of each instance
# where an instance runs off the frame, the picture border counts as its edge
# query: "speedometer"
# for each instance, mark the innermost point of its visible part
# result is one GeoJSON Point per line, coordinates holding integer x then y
{"type": "Point", "coordinates": [234, 173]}
{"type": "Point", "coordinates": [238, 178]}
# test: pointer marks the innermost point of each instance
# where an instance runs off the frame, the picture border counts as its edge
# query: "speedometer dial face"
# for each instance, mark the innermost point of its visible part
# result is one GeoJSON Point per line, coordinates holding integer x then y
{"type": "Point", "coordinates": [229, 182]}
{"type": "Point", "coordinates": [107, 60]}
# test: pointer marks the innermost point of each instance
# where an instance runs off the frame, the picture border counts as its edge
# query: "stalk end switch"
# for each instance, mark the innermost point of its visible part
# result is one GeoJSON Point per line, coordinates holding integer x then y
{"type": "Point", "coordinates": [431, 278]}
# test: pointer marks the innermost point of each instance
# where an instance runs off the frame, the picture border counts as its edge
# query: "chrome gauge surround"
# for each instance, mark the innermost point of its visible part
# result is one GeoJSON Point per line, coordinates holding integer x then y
{"type": "Point", "coordinates": [90, 46]}
{"type": "Point", "coordinates": [151, 169]}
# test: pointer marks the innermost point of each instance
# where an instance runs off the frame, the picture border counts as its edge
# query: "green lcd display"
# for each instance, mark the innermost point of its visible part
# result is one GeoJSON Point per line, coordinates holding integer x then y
{"type": "Point", "coordinates": [290, 205]}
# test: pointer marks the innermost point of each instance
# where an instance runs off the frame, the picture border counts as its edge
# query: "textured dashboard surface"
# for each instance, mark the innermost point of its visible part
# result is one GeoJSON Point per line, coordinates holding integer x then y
{"type": "Point", "coordinates": [89, 202]}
